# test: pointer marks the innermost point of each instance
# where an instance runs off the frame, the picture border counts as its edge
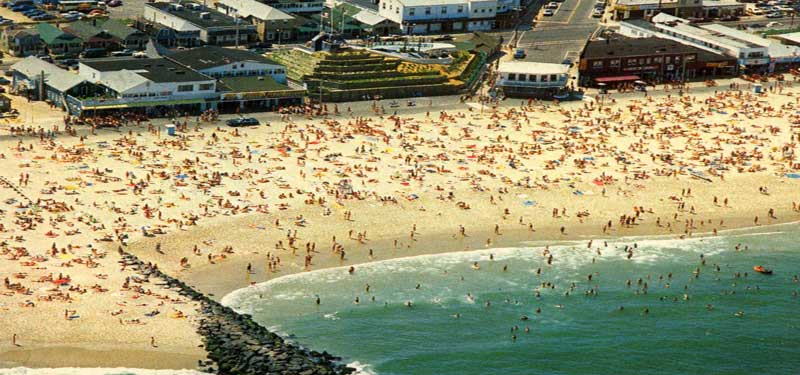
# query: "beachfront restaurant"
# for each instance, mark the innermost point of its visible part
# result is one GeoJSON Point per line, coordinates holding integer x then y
{"type": "Point", "coordinates": [532, 79]}
{"type": "Point", "coordinates": [253, 94]}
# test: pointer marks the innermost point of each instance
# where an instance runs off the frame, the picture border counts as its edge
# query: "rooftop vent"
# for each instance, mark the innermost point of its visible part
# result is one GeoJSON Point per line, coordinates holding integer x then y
{"type": "Point", "coordinates": [205, 15]}
{"type": "Point", "coordinates": [176, 7]}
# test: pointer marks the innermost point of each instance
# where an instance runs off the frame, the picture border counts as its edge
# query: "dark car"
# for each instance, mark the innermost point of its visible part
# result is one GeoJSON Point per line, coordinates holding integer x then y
{"type": "Point", "coordinates": [243, 121]}
{"type": "Point", "coordinates": [444, 38]}
{"type": "Point", "coordinates": [4, 81]}
{"type": "Point", "coordinates": [93, 52]}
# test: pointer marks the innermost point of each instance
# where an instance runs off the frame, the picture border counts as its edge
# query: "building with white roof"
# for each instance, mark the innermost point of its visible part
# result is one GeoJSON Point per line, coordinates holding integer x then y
{"type": "Point", "coordinates": [715, 38]}
{"type": "Point", "coordinates": [523, 78]}
{"type": "Point", "coordinates": [440, 16]}
{"type": "Point", "coordinates": [39, 80]}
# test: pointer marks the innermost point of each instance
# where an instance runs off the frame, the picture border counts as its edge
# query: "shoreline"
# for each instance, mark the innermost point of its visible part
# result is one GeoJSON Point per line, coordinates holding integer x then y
{"type": "Point", "coordinates": [759, 230]}
{"type": "Point", "coordinates": [225, 277]}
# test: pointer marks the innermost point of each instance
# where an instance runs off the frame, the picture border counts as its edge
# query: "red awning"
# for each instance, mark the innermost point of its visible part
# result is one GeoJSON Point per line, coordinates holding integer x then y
{"type": "Point", "coordinates": [616, 79]}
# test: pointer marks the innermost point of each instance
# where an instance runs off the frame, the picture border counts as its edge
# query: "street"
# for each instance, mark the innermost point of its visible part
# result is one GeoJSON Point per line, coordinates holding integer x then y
{"type": "Point", "coordinates": [561, 36]}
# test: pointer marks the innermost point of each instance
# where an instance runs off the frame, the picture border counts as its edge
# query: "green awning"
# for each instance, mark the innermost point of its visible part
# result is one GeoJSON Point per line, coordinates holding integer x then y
{"type": "Point", "coordinates": [144, 104]}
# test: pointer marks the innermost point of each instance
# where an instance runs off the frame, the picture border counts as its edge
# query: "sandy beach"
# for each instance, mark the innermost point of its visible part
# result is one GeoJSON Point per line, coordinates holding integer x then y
{"type": "Point", "coordinates": [224, 208]}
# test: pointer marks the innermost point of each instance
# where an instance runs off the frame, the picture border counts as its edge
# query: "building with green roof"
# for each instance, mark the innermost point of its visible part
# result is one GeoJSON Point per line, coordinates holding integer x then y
{"type": "Point", "coordinates": [126, 36]}
{"type": "Point", "coordinates": [58, 42]}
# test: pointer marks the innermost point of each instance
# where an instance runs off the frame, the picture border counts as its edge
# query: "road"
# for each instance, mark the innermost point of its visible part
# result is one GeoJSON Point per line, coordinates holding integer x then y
{"type": "Point", "coordinates": [562, 35]}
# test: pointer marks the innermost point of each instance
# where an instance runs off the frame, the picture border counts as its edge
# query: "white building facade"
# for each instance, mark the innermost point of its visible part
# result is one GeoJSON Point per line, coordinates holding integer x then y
{"type": "Point", "coordinates": [440, 16]}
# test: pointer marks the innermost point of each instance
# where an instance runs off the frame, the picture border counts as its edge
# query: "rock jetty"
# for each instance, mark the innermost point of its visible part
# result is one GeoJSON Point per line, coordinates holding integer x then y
{"type": "Point", "coordinates": [238, 345]}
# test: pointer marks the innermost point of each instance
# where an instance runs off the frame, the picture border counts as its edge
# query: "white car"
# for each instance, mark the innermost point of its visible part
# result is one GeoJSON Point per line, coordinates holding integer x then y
{"type": "Point", "coordinates": [549, 12]}
{"type": "Point", "coordinates": [551, 5]}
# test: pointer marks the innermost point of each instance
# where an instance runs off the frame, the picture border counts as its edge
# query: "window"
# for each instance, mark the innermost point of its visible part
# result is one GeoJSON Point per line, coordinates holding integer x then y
{"type": "Point", "coordinates": [444, 10]}
{"type": "Point", "coordinates": [649, 60]}
{"type": "Point", "coordinates": [428, 10]}
{"type": "Point", "coordinates": [512, 76]}
{"type": "Point", "coordinates": [597, 64]}
{"type": "Point", "coordinates": [185, 88]}
{"type": "Point", "coordinates": [689, 58]}
{"type": "Point", "coordinates": [544, 78]}
{"type": "Point", "coordinates": [631, 62]}
{"type": "Point", "coordinates": [614, 63]}
{"type": "Point", "coordinates": [657, 60]}
{"type": "Point", "coordinates": [460, 9]}
{"type": "Point", "coordinates": [669, 60]}
{"type": "Point", "coordinates": [410, 11]}
{"type": "Point", "coordinates": [532, 77]}
{"type": "Point", "coordinates": [553, 77]}
{"type": "Point", "coordinates": [206, 86]}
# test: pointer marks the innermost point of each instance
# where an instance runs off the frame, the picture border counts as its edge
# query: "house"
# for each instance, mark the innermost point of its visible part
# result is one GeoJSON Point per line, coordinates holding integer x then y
{"type": "Point", "coordinates": [271, 24]}
{"type": "Point", "coordinates": [92, 35]}
{"type": "Point", "coordinates": [21, 42]}
{"type": "Point", "coordinates": [440, 16]}
{"type": "Point", "coordinates": [40, 80]}
{"type": "Point", "coordinates": [167, 36]}
{"type": "Point", "coordinates": [214, 27]}
{"type": "Point", "coordinates": [58, 42]}
{"type": "Point", "coordinates": [531, 79]}
{"type": "Point", "coordinates": [247, 80]}
{"type": "Point", "coordinates": [127, 37]}
{"type": "Point", "coordinates": [618, 60]}
{"type": "Point", "coordinates": [155, 85]}
{"type": "Point", "coordinates": [356, 21]}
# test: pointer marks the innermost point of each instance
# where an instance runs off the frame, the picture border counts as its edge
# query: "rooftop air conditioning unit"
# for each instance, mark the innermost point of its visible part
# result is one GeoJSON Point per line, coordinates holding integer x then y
{"type": "Point", "coordinates": [176, 6]}
{"type": "Point", "coordinates": [205, 15]}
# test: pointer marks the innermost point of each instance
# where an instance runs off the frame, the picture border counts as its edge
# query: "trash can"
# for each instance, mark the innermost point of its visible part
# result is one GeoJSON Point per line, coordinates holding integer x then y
{"type": "Point", "coordinates": [757, 88]}
{"type": "Point", "coordinates": [171, 130]}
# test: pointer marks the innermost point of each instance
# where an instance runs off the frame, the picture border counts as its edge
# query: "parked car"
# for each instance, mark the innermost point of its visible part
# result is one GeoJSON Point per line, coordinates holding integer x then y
{"type": "Point", "coordinates": [140, 55]}
{"type": "Point", "coordinates": [775, 15]}
{"type": "Point", "coordinates": [551, 5]}
{"type": "Point", "coordinates": [597, 13]}
{"type": "Point", "coordinates": [729, 17]}
{"type": "Point", "coordinates": [243, 121]}
{"type": "Point", "coordinates": [520, 53]}
{"type": "Point", "coordinates": [444, 38]}
{"type": "Point", "coordinates": [4, 81]}
{"type": "Point", "coordinates": [774, 24]}
{"type": "Point", "coordinates": [548, 12]}
{"type": "Point", "coordinates": [114, 3]}
{"type": "Point", "coordinates": [92, 52]}
{"type": "Point", "coordinates": [125, 52]}
{"type": "Point", "coordinates": [21, 8]}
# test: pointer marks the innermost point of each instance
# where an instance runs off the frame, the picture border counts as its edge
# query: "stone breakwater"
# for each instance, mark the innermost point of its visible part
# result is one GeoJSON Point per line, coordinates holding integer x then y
{"type": "Point", "coordinates": [238, 345]}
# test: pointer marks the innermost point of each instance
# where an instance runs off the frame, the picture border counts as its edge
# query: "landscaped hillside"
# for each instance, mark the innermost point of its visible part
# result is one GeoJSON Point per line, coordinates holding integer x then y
{"type": "Point", "coordinates": [358, 74]}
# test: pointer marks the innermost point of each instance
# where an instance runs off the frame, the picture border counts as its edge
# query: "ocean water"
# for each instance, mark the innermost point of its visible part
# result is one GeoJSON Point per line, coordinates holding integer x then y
{"type": "Point", "coordinates": [706, 322]}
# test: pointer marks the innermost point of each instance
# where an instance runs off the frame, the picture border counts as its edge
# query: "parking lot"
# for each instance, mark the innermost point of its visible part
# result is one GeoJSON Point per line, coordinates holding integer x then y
{"type": "Point", "coordinates": [562, 36]}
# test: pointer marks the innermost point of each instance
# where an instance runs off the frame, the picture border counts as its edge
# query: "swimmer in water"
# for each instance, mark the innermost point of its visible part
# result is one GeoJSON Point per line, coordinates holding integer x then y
{"type": "Point", "coordinates": [476, 266]}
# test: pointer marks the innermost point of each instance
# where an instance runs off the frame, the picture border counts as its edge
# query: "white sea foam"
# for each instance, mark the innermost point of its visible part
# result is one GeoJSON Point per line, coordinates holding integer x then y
{"type": "Point", "coordinates": [567, 255]}
{"type": "Point", "coordinates": [94, 371]}
{"type": "Point", "coordinates": [362, 369]}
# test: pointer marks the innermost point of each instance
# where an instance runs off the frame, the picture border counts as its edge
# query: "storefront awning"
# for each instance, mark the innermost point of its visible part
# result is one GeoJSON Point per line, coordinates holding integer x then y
{"type": "Point", "coordinates": [142, 104]}
{"type": "Point", "coordinates": [616, 79]}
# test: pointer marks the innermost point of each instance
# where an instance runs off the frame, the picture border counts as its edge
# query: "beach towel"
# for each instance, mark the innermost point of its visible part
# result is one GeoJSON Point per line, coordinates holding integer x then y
{"type": "Point", "coordinates": [529, 203]}
{"type": "Point", "coordinates": [793, 175]}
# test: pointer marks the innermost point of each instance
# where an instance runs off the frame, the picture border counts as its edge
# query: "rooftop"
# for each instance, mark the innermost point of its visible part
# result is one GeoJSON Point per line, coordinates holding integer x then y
{"type": "Point", "coordinates": [50, 33]}
{"type": "Point", "coordinates": [248, 8]}
{"type": "Point", "coordinates": [251, 84]}
{"type": "Point", "coordinates": [417, 3]}
{"type": "Point", "coordinates": [212, 56]}
{"type": "Point", "coordinates": [197, 14]}
{"type": "Point", "coordinates": [156, 70]}
{"type": "Point", "coordinates": [532, 67]}
{"type": "Point", "coordinates": [55, 77]}
{"type": "Point", "coordinates": [619, 46]}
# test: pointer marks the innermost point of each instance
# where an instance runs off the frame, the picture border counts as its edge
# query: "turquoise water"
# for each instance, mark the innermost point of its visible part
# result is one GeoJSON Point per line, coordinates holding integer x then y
{"type": "Point", "coordinates": [449, 329]}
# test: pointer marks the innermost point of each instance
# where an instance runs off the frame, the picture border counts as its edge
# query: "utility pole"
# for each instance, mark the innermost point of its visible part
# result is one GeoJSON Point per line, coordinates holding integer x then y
{"type": "Point", "coordinates": [236, 19]}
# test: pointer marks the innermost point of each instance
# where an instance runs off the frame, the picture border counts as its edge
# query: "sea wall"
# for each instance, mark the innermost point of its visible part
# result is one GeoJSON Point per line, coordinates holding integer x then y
{"type": "Point", "coordinates": [238, 345]}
